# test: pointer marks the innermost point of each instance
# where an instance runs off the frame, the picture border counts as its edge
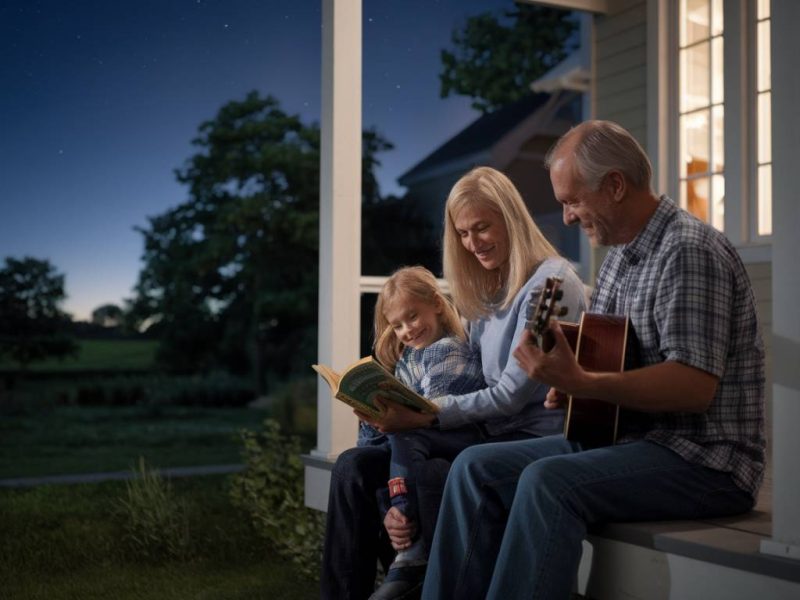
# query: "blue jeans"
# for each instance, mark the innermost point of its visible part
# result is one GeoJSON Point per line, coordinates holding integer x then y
{"type": "Point", "coordinates": [355, 536]}
{"type": "Point", "coordinates": [411, 451]}
{"type": "Point", "coordinates": [514, 514]}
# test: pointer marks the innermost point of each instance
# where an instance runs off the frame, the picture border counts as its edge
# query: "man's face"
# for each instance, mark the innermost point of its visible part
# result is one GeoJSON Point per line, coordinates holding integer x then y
{"type": "Point", "coordinates": [592, 210]}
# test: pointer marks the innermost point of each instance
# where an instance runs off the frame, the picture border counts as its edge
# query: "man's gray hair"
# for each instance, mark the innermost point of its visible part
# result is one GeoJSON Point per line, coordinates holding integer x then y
{"type": "Point", "coordinates": [601, 147]}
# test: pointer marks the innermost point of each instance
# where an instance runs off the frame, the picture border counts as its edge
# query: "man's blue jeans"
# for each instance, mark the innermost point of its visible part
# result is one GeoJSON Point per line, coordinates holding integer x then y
{"type": "Point", "coordinates": [514, 514]}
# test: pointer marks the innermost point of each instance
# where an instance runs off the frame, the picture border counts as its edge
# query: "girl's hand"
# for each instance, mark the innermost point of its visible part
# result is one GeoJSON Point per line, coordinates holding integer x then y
{"type": "Point", "coordinates": [396, 417]}
{"type": "Point", "coordinates": [555, 399]}
{"type": "Point", "coordinates": [400, 528]}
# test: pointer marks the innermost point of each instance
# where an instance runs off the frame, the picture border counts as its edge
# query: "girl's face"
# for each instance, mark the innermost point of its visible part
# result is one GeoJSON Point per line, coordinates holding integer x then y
{"type": "Point", "coordinates": [415, 323]}
{"type": "Point", "coordinates": [483, 233]}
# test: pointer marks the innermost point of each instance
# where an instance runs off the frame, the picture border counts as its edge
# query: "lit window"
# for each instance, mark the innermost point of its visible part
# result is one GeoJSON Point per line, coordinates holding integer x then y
{"type": "Point", "coordinates": [764, 119]}
{"type": "Point", "coordinates": [702, 111]}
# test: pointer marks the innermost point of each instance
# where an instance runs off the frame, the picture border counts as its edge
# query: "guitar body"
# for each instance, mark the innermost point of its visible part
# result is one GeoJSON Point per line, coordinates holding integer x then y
{"type": "Point", "coordinates": [599, 343]}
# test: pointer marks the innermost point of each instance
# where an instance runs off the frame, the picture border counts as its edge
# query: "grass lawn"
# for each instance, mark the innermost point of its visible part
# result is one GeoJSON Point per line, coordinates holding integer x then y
{"type": "Point", "coordinates": [100, 355]}
{"type": "Point", "coordinates": [55, 440]}
{"type": "Point", "coordinates": [69, 541]}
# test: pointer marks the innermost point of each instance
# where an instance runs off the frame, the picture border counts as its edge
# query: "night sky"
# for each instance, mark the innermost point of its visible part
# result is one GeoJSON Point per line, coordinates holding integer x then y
{"type": "Point", "coordinates": [100, 99]}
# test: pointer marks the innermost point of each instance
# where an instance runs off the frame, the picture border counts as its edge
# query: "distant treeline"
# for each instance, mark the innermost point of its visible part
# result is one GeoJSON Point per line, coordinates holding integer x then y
{"type": "Point", "coordinates": [86, 330]}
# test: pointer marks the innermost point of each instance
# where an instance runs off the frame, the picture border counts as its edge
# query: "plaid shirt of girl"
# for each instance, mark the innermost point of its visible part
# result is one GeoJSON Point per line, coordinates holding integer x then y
{"type": "Point", "coordinates": [446, 367]}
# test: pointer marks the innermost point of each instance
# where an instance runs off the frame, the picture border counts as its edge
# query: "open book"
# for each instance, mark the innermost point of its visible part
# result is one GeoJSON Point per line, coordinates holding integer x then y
{"type": "Point", "coordinates": [366, 379]}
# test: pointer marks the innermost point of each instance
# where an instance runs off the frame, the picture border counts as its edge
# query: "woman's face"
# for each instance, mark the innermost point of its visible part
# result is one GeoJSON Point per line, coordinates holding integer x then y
{"type": "Point", "coordinates": [483, 233]}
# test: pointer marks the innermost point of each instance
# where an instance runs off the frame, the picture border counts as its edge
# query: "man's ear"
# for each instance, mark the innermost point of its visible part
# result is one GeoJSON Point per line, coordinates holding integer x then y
{"type": "Point", "coordinates": [617, 185]}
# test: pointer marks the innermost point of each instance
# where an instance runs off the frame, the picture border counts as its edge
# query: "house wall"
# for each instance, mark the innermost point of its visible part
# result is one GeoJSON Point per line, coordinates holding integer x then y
{"type": "Point", "coordinates": [621, 66]}
{"type": "Point", "coordinates": [431, 194]}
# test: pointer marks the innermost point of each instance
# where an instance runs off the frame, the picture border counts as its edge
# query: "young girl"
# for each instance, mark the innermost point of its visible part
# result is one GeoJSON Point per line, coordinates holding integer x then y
{"type": "Point", "coordinates": [420, 336]}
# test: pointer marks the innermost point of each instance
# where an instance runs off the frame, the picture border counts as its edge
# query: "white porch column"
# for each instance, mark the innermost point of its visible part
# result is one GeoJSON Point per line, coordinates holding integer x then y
{"type": "Point", "coordinates": [785, 282]}
{"type": "Point", "coordinates": [340, 215]}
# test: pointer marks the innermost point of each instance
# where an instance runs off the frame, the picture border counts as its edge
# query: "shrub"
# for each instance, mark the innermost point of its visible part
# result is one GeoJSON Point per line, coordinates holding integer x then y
{"type": "Point", "coordinates": [215, 389]}
{"type": "Point", "coordinates": [294, 405]}
{"type": "Point", "coordinates": [156, 523]}
{"type": "Point", "coordinates": [270, 490]}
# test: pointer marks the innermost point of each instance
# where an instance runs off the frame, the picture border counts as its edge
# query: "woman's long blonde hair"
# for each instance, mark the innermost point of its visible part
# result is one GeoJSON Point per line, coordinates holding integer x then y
{"type": "Point", "coordinates": [477, 291]}
{"type": "Point", "coordinates": [420, 284]}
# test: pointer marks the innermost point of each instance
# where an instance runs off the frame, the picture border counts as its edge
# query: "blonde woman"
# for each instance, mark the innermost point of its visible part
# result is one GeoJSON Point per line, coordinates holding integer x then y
{"type": "Point", "coordinates": [495, 260]}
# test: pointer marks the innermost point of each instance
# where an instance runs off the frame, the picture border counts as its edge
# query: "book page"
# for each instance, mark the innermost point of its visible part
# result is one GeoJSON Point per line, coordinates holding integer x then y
{"type": "Point", "coordinates": [330, 376]}
{"type": "Point", "coordinates": [367, 380]}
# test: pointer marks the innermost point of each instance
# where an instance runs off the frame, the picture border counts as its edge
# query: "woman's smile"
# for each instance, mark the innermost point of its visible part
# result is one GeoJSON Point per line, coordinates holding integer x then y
{"type": "Point", "coordinates": [483, 233]}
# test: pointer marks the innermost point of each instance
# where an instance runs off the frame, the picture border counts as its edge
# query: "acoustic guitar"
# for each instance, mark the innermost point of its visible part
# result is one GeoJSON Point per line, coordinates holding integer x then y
{"type": "Point", "coordinates": [599, 343]}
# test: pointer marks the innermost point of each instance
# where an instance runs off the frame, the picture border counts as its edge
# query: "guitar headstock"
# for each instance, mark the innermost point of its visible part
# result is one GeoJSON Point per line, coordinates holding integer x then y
{"type": "Point", "coordinates": [544, 308]}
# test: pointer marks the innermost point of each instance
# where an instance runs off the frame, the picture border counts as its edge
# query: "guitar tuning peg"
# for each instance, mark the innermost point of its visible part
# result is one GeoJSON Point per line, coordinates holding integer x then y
{"type": "Point", "coordinates": [559, 294]}
{"type": "Point", "coordinates": [562, 311]}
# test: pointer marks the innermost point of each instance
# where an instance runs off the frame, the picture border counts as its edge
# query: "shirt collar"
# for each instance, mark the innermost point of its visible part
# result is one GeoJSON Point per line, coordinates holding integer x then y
{"type": "Point", "coordinates": [649, 238]}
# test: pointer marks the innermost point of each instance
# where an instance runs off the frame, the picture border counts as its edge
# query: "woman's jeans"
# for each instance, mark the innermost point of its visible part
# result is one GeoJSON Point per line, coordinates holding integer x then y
{"type": "Point", "coordinates": [355, 538]}
{"type": "Point", "coordinates": [514, 514]}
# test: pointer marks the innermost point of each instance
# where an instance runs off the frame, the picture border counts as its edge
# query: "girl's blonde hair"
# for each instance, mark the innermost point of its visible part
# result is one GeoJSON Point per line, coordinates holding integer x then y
{"type": "Point", "coordinates": [477, 291]}
{"type": "Point", "coordinates": [420, 284]}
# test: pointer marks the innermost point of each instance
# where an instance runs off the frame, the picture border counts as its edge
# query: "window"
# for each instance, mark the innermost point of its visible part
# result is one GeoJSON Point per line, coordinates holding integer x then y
{"type": "Point", "coordinates": [701, 110]}
{"type": "Point", "coordinates": [721, 112]}
{"type": "Point", "coordinates": [763, 119]}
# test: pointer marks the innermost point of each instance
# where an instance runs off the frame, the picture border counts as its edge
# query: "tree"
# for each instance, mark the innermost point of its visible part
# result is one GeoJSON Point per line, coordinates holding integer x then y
{"type": "Point", "coordinates": [494, 62]}
{"type": "Point", "coordinates": [31, 322]}
{"type": "Point", "coordinates": [108, 315]}
{"type": "Point", "coordinates": [230, 276]}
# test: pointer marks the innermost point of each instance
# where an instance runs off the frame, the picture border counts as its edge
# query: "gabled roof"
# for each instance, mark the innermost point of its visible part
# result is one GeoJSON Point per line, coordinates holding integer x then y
{"type": "Point", "coordinates": [572, 73]}
{"type": "Point", "coordinates": [481, 135]}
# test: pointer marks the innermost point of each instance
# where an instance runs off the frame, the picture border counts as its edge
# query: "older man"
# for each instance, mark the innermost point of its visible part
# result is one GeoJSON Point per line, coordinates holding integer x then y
{"type": "Point", "coordinates": [514, 514]}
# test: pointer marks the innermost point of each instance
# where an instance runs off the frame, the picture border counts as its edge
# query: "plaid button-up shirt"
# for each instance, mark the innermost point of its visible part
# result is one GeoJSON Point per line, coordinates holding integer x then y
{"type": "Point", "coordinates": [448, 366]}
{"type": "Point", "coordinates": [689, 300]}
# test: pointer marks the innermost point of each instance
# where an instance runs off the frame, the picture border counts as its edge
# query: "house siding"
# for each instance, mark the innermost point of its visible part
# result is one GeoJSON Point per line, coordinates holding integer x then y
{"type": "Point", "coordinates": [620, 66]}
{"type": "Point", "coordinates": [761, 278]}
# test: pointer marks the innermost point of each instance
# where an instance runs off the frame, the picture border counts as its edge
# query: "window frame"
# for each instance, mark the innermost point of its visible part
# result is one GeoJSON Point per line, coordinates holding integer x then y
{"type": "Point", "coordinates": [740, 126]}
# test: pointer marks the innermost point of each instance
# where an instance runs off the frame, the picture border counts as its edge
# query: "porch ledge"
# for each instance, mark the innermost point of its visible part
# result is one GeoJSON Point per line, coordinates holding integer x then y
{"type": "Point", "coordinates": [732, 542]}
{"type": "Point", "coordinates": [317, 479]}
{"type": "Point", "coordinates": [318, 462]}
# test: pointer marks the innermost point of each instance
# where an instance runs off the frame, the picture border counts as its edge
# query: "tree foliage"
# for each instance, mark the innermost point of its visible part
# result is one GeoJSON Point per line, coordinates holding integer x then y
{"type": "Point", "coordinates": [494, 59]}
{"type": "Point", "coordinates": [230, 275]}
{"type": "Point", "coordinates": [32, 326]}
{"type": "Point", "coordinates": [107, 315]}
